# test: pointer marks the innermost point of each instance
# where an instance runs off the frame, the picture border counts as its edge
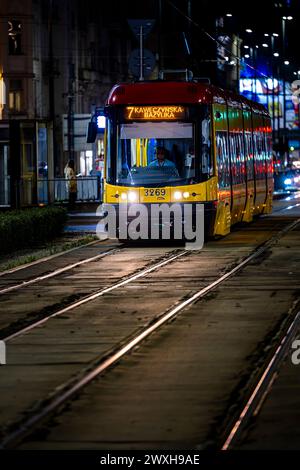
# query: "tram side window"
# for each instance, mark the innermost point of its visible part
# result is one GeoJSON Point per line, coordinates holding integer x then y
{"type": "Point", "coordinates": [264, 153]}
{"type": "Point", "coordinates": [223, 160]}
{"type": "Point", "coordinates": [237, 158]}
{"type": "Point", "coordinates": [240, 157]}
{"type": "Point", "coordinates": [249, 156]}
{"type": "Point", "coordinates": [269, 157]}
{"type": "Point", "coordinates": [256, 156]}
{"type": "Point", "coordinates": [233, 158]}
{"type": "Point", "coordinates": [259, 156]}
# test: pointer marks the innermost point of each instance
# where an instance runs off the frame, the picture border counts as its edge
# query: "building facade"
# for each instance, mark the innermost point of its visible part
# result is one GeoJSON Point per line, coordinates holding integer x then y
{"type": "Point", "coordinates": [58, 61]}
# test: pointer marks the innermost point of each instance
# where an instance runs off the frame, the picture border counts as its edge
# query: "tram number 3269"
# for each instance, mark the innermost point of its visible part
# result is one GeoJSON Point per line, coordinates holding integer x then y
{"type": "Point", "coordinates": [155, 192]}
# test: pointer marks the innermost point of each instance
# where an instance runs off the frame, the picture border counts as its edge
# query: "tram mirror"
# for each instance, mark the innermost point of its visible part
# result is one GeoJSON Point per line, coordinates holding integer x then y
{"type": "Point", "coordinates": [91, 132]}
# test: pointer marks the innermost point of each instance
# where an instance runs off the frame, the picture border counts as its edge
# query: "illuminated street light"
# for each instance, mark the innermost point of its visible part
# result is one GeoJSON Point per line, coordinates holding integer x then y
{"type": "Point", "coordinates": [265, 45]}
{"type": "Point", "coordinates": [247, 56]}
{"type": "Point", "coordinates": [246, 47]}
{"type": "Point", "coordinates": [249, 30]}
{"type": "Point", "coordinates": [286, 62]}
{"type": "Point", "coordinates": [276, 54]}
{"type": "Point", "coordinates": [266, 34]}
{"type": "Point", "coordinates": [228, 14]}
{"type": "Point", "coordinates": [276, 35]}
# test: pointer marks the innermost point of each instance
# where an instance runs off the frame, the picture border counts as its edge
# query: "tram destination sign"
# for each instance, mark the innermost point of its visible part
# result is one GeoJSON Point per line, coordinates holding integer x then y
{"type": "Point", "coordinates": [154, 113]}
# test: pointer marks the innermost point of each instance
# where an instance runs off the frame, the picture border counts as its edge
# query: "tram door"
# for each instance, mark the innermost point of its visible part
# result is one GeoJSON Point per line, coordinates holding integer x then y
{"type": "Point", "coordinates": [237, 161]}
{"type": "Point", "coordinates": [259, 146]}
{"type": "Point", "coordinates": [249, 162]}
{"type": "Point", "coordinates": [222, 154]}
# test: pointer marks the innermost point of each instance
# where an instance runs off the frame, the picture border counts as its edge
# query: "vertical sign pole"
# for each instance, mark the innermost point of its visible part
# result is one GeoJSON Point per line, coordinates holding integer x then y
{"type": "Point", "coordinates": [141, 54]}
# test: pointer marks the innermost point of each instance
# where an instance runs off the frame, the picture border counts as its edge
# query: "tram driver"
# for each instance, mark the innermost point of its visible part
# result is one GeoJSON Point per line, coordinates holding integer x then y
{"type": "Point", "coordinates": [162, 161]}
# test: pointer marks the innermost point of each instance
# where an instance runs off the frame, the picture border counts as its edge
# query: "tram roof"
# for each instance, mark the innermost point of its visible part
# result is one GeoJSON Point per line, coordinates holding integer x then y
{"type": "Point", "coordinates": [170, 92]}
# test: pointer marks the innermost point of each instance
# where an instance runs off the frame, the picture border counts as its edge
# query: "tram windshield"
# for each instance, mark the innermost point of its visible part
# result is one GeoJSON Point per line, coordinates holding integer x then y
{"type": "Point", "coordinates": [155, 152]}
{"type": "Point", "coordinates": [160, 152]}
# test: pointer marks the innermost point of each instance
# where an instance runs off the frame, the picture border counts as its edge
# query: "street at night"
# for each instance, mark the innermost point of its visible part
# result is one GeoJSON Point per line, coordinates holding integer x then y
{"type": "Point", "coordinates": [149, 233]}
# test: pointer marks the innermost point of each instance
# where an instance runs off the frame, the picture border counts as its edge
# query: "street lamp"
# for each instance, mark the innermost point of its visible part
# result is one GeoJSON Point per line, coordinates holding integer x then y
{"type": "Point", "coordinates": [248, 30]}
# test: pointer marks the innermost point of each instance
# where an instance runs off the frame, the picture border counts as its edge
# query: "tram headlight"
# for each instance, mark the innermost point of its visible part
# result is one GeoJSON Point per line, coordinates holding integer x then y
{"type": "Point", "coordinates": [123, 196]}
{"type": "Point", "coordinates": [186, 194]}
{"type": "Point", "coordinates": [177, 195]}
{"type": "Point", "coordinates": [132, 196]}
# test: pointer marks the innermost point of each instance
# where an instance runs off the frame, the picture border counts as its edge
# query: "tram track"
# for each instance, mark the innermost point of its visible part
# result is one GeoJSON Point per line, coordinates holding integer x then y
{"type": "Point", "coordinates": [102, 364]}
{"type": "Point", "coordinates": [45, 259]}
{"type": "Point", "coordinates": [27, 326]}
{"type": "Point", "coordinates": [262, 385]}
{"type": "Point", "coordinates": [93, 296]}
{"type": "Point", "coordinates": [57, 272]}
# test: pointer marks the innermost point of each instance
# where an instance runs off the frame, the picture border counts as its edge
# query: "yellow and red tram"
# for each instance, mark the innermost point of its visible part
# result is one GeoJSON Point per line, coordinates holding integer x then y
{"type": "Point", "coordinates": [217, 144]}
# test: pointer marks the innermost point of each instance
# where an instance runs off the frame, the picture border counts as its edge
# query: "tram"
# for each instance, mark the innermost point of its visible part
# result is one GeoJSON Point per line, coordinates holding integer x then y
{"type": "Point", "coordinates": [216, 150]}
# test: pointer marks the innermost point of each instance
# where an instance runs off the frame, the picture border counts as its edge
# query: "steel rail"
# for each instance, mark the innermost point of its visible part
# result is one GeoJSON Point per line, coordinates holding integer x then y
{"type": "Point", "coordinates": [68, 267]}
{"type": "Point", "coordinates": [56, 272]}
{"type": "Point", "coordinates": [45, 258]}
{"type": "Point", "coordinates": [68, 390]}
{"type": "Point", "coordinates": [263, 384]}
{"type": "Point", "coordinates": [95, 295]}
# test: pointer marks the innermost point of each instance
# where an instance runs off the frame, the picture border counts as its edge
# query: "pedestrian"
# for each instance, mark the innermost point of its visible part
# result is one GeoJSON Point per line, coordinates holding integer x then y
{"type": "Point", "coordinates": [71, 181]}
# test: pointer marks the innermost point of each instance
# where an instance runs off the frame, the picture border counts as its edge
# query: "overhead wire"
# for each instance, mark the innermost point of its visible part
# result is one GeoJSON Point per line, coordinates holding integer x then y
{"type": "Point", "coordinates": [217, 41]}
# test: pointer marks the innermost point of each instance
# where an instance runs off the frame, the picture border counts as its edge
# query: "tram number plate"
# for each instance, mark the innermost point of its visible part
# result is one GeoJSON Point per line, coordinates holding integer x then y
{"type": "Point", "coordinates": [154, 193]}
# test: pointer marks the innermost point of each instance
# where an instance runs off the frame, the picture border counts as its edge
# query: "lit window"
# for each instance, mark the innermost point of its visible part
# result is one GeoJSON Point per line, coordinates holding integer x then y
{"type": "Point", "coordinates": [15, 95]}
